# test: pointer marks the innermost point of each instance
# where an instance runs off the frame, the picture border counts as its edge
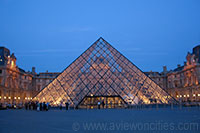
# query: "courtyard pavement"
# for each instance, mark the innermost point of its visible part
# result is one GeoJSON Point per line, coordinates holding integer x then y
{"type": "Point", "coordinates": [107, 120]}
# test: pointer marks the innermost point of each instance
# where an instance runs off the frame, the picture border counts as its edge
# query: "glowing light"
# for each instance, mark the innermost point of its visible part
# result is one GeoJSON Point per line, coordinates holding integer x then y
{"type": "Point", "coordinates": [26, 98]}
{"type": "Point", "coordinates": [91, 95]}
{"type": "Point", "coordinates": [12, 64]}
{"type": "Point", "coordinates": [0, 97]}
{"type": "Point", "coordinates": [31, 98]}
{"type": "Point", "coordinates": [15, 97]}
{"type": "Point", "coordinates": [184, 95]}
{"type": "Point", "coordinates": [18, 97]}
{"type": "Point", "coordinates": [4, 97]}
{"type": "Point", "coordinates": [9, 97]}
{"type": "Point", "coordinates": [180, 95]}
{"type": "Point", "coordinates": [177, 96]}
{"type": "Point", "coordinates": [198, 94]}
{"type": "Point", "coordinates": [188, 95]}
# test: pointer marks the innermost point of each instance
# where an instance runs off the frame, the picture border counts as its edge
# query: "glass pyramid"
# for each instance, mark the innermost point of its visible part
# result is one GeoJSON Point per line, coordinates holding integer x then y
{"type": "Point", "coordinates": [103, 71]}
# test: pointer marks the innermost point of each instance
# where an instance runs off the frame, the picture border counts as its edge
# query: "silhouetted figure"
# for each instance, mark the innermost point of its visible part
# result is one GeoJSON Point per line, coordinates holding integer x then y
{"type": "Point", "coordinates": [44, 106]}
{"type": "Point", "coordinates": [40, 106]}
{"type": "Point", "coordinates": [103, 104]}
{"type": "Point", "coordinates": [26, 106]}
{"type": "Point", "coordinates": [29, 105]}
{"type": "Point", "coordinates": [67, 105]}
{"type": "Point", "coordinates": [99, 104]}
{"type": "Point", "coordinates": [61, 106]}
{"type": "Point", "coordinates": [47, 108]}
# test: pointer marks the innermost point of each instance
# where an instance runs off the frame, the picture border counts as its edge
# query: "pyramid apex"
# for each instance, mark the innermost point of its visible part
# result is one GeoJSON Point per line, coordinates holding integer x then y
{"type": "Point", "coordinates": [101, 38]}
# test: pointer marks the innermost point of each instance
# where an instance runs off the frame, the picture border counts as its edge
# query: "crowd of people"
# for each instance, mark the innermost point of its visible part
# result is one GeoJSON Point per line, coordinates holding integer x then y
{"type": "Point", "coordinates": [11, 106]}
{"type": "Point", "coordinates": [66, 106]}
{"type": "Point", "coordinates": [37, 106]}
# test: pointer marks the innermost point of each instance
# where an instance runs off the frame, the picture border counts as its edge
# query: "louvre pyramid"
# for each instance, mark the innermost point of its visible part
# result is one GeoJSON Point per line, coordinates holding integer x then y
{"type": "Point", "coordinates": [103, 71]}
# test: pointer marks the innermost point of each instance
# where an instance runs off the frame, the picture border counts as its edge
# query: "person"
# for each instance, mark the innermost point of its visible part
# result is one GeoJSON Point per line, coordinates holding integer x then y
{"type": "Point", "coordinates": [98, 104]}
{"type": "Point", "coordinates": [47, 108]}
{"type": "Point", "coordinates": [29, 105]}
{"type": "Point", "coordinates": [26, 105]}
{"type": "Point", "coordinates": [67, 105]}
{"type": "Point", "coordinates": [60, 106]}
{"type": "Point", "coordinates": [44, 106]}
{"type": "Point", "coordinates": [103, 104]}
{"type": "Point", "coordinates": [38, 106]}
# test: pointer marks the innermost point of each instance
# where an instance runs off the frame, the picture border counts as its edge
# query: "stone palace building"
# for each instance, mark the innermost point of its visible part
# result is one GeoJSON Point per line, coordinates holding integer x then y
{"type": "Point", "coordinates": [183, 83]}
{"type": "Point", "coordinates": [19, 86]}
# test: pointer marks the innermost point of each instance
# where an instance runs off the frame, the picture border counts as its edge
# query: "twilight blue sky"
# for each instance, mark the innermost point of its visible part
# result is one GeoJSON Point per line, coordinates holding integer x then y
{"type": "Point", "coordinates": [50, 34]}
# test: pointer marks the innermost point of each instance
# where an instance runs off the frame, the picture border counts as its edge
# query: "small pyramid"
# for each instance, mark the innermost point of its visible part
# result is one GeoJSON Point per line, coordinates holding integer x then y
{"type": "Point", "coordinates": [102, 71]}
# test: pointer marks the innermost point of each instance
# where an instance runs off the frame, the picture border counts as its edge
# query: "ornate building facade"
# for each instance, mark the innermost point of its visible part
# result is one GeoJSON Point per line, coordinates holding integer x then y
{"type": "Point", "coordinates": [19, 86]}
{"type": "Point", "coordinates": [183, 83]}
{"type": "Point", "coordinates": [16, 85]}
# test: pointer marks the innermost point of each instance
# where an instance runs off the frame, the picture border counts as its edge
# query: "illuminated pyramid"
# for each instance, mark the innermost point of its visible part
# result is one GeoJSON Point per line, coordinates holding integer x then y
{"type": "Point", "coordinates": [103, 73]}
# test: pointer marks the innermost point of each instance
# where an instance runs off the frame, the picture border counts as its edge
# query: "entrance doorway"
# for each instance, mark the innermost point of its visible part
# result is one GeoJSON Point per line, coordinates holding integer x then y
{"type": "Point", "coordinates": [91, 102]}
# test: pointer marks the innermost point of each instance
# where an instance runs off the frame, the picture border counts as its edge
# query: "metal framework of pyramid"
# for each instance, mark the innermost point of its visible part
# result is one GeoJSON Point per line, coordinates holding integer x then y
{"type": "Point", "coordinates": [103, 71]}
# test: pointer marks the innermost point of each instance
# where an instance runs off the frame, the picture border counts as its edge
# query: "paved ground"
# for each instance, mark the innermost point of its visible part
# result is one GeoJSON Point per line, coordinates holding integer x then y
{"type": "Point", "coordinates": [108, 120]}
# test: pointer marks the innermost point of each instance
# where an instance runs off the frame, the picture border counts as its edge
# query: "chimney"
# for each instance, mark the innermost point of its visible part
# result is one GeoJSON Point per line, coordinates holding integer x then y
{"type": "Point", "coordinates": [165, 69]}
{"type": "Point", "coordinates": [33, 70]}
